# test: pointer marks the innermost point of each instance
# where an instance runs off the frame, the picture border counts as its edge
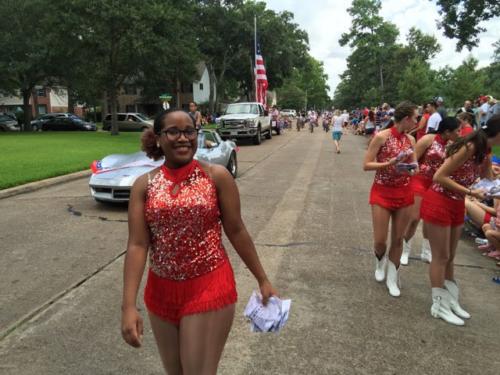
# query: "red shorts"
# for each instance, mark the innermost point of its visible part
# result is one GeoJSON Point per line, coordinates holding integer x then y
{"type": "Point", "coordinates": [391, 198]}
{"type": "Point", "coordinates": [420, 184]}
{"type": "Point", "coordinates": [487, 218]}
{"type": "Point", "coordinates": [441, 210]}
{"type": "Point", "coordinates": [171, 300]}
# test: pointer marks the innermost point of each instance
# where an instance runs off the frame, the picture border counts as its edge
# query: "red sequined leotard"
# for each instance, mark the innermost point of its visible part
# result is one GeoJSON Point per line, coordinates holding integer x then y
{"type": "Point", "coordinates": [466, 175]}
{"type": "Point", "coordinates": [183, 217]}
{"type": "Point", "coordinates": [433, 158]}
{"type": "Point", "coordinates": [395, 143]}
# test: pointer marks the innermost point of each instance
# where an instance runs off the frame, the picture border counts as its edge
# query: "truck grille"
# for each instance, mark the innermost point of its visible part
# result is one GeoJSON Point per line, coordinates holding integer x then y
{"type": "Point", "coordinates": [234, 124]}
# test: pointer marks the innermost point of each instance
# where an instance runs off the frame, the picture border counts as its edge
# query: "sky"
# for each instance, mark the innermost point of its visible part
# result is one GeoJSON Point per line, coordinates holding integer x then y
{"type": "Point", "coordinates": [326, 20]}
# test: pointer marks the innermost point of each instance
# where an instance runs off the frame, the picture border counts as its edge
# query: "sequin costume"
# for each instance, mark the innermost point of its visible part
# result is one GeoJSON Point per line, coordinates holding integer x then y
{"type": "Point", "coordinates": [429, 163]}
{"type": "Point", "coordinates": [390, 188]}
{"type": "Point", "coordinates": [189, 268]}
{"type": "Point", "coordinates": [465, 176]}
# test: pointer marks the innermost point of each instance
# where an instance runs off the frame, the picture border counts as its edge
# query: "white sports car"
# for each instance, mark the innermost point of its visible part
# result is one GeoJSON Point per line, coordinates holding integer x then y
{"type": "Point", "coordinates": [115, 174]}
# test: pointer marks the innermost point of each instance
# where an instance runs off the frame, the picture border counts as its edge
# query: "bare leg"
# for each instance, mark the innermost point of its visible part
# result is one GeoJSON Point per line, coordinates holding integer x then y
{"type": "Point", "coordinates": [380, 222]}
{"type": "Point", "coordinates": [167, 341]}
{"type": "Point", "coordinates": [202, 338]}
{"type": "Point", "coordinates": [414, 219]}
{"type": "Point", "coordinates": [474, 212]}
{"type": "Point", "coordinates": [398, 227]}
{"type": "Point", "coordinates": [337, 146]}
{"type": "Point", "coordinates": [455, 233]}
{"type": "Point", "coordinates": [439, 238]}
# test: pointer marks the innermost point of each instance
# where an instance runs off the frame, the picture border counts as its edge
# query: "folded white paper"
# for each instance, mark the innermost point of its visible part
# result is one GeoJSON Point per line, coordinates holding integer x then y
{"type": "Point", "coordinates": [270, 318]}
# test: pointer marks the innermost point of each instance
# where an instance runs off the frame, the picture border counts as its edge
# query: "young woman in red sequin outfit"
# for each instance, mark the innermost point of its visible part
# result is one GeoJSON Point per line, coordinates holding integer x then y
{"type": "Point", "coordinates": [391, 196]}
{"type": "Point", "coordinates": [430, 151]}
{"type": "Point", "coordinates": [176, 213]}
{"type": "Point", "coordinates": [443, 210]}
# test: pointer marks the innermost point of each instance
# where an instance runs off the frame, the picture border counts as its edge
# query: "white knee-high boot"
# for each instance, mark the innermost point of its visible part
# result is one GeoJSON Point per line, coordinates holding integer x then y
{"type": "Point", "coordinates": [380, 266]}
{"type": "Point", "coordinates": [426, 254]}
{"type": "Point", "coordinates": [392, 280]}
{"type": "Point", "coordinates": [406, 251]}
{"type": "Point", "coordinates": [452, 287]}
{"type": "Point", "coordinates": [441, 307]}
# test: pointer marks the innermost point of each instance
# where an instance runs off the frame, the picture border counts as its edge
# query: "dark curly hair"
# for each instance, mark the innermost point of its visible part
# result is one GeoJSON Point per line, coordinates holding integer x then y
{"type": "Point", "coordinates": [149, 137]}
{"type": "Point", "coordinates": [478, 138]}
{"type": "Point", "coordinates": [448, 123]}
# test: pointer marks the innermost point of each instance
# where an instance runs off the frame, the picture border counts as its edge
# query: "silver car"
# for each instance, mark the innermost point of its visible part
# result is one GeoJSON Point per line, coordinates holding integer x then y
{"type": "Point", "coordinates": [115, 174]}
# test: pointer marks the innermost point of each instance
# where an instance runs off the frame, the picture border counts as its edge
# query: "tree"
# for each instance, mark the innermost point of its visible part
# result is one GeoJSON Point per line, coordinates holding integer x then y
{"type": "Point", "coordinates": [27, 34]}
{"type": "Point", "coordinates": [461, 19]}
{"type": "Point", "coordinates": [291, 96]}
{"type": "Point", "coordinates": [492, 73]}
{"type": "Point", "coordinates": [466, 82]}
{"type": "Point", "coordinates": [415, 83]}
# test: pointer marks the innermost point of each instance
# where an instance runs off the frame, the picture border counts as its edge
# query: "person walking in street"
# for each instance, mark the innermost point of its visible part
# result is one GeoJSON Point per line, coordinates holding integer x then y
{"type": "Point", "coordinates": [391, 196]}
{"type": "Point", "coordinates": [430, 151]}
{"type": "Point", "coordinates": [443, 208]}
{"type": "Point", "coordinates": [193, 111]}
{"type": "Point", "coordinates": [337, 130]}
{"type": "Point", "coordinates": [176, 213]}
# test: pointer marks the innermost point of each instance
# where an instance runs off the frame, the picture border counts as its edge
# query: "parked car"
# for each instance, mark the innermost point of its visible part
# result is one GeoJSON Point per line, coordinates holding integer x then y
{"type": "Point", "coordinates": [67, 122]}
{"type": "Point", "coordinates": [245, 120]}
{"type": "Point", "coordinates": [289, 113]}
{"type": "Point", "coordinates": [36, 124]}
{"type": "Point", "coordinates": [8, 124]}
{"type": "Point", "coordinates": [114, 175]}
{"type": "Point", "coordinates": [132, 121]}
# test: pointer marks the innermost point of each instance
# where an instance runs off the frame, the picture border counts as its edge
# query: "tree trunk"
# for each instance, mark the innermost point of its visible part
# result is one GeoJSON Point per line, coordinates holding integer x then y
{"type": "Point", "coordinates": [114, 124]}
{"type": "Point", "coordinates": [26, 93]}
{"type": "Point", "coordinates": [71, 99]}
{"type": "Point", "coordinates": [213, 82]}
{"type": "Point", "coordinates": [178, 87]}
{"type": "Point", "coordinates": [254, 81]}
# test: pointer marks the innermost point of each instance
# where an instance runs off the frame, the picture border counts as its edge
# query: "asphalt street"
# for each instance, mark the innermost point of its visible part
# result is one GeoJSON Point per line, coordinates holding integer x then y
{"type": "Point", "coordinates": [61, 259]}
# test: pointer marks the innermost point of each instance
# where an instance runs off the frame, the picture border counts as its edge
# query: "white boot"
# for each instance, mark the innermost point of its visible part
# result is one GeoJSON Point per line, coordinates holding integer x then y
{"type": "Point", "coordinates": [406, 252]}
{"type": "Point", "coordinates": [380, 266]}
{"type": "Point", "coordinates": [426, 254]}
{"type": "Point", "coordinates": [392, 280]}
{"type": "Point", "coordinates": [452, 287]}
{"type": "Point", "coordinates": [441, 307]}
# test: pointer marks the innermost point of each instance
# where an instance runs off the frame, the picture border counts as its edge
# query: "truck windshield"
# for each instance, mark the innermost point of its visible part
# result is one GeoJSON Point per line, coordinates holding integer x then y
{"type": "Point", "coordinates": [242, 108]}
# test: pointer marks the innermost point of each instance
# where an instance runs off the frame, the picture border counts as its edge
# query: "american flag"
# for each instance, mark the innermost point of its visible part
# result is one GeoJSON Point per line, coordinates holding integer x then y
{"type": "Point", "coordinates": [260, 78]}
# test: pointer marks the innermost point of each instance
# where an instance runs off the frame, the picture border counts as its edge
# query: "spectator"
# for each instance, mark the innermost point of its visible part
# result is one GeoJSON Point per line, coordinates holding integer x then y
{"type": "Point", "coordinates": [440, 107]}
{"type": "Point", "coordinates": [434, 119]}
{"type": "Point", "coordinates": [468, 108]}
{"type": "Point", "coordinates": [483, 110]}
{"type": "Point", "coordinates": [494, 108]}
{"type": "Point", "coordinates": [465, 119]}
{"type": "Point", "coordinates": [193, 111]}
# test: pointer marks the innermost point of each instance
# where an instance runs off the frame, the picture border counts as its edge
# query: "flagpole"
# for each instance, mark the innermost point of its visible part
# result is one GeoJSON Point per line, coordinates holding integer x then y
{"type": "Point", "coordinates": [255, 53]}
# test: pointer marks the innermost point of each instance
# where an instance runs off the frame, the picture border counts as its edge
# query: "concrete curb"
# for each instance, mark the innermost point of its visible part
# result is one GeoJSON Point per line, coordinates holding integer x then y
{"type": "Point", "coordinates": [37, 185]}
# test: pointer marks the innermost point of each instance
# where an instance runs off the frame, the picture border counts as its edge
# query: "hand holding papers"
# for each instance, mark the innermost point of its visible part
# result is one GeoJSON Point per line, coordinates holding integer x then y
{"type": "Point", "coordinates": [406, 167]}
{"type": "Point", "coordinates": [491, 188]}
{"type": "Point", "coordinates": [270, 318]}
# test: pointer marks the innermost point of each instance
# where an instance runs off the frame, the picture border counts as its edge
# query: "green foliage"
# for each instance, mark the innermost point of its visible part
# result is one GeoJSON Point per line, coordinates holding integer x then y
{"type": "Point", "coordinates": [415, 83]}
{"type": "Point", "coordinates": [466, 82]}
{"type": "Point", "coordinates": [461, 19]}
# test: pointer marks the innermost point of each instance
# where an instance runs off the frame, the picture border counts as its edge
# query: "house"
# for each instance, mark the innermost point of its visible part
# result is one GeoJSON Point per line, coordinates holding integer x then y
{"type": "Point", "coordinates": [130, 97]}
{"type": "Point", "coordinates": [43, 100]}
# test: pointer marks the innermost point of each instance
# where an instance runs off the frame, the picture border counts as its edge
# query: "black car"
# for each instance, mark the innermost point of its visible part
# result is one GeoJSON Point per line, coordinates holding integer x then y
{"type": "Point", "coordinates": [67, 123]}
{"type": "Point", "coordinates": [7, 123]}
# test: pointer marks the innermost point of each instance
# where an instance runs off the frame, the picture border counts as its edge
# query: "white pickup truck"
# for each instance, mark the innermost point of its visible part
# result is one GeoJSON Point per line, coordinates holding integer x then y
{"type": "Point", "coordinates": [245, 120]}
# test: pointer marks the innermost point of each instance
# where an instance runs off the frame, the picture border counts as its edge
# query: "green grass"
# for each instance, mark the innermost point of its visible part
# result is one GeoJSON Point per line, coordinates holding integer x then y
{"type": "Point", "coordinates": [210, 126]}
{"type": "Point", "coordinates": [27, 157]}
{"type": "Point", "coordinates": [496, 151]}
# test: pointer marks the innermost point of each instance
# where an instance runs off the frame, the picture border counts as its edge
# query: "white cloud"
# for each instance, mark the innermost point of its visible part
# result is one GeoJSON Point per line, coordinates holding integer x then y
{"type": "Point", "coordinates": [326, 20]}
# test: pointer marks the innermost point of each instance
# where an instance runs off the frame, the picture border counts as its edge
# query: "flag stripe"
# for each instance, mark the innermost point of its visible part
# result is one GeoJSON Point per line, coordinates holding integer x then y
{"type": "Point", "coordinates": [261, 83]}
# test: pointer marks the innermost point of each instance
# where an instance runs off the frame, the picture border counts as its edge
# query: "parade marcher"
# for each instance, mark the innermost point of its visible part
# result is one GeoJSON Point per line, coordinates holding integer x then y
{"type": "Point", "coordinates": [466, 119]}
{"type": "Point", "coordinates": [421, 129]}
{"type": "Point", "coordinates": [177, 212]}
{"type": "Point", "coordinates": [193, 111]}
{"type": "Point", "coordinates": [443, 208]}
{"type": "Point", "coordinates": [337, 131]}
{"type": "Point", "coordinates": [430, 151]}
{"type": "Point", "coordinates": [391, 196]}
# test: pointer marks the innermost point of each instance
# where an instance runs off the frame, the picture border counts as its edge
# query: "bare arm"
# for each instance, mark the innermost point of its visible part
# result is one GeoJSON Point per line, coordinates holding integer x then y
{"type": "Point", "coordinates": [423, 144]}
{"type": "Point", "coordinates": [450, 165]}
{"type": "Point", "coordinates": [135, 260]}
{"type": "Point", "coordinates": [370, 163]}
{"type": "Point", "coordinates": [229, 201]}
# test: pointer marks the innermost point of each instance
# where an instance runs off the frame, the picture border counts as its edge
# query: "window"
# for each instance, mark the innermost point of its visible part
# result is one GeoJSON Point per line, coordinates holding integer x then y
{"type": "Point", "coordinates": [121, 117]}
{"type": "Point", "coordinates": [42, 109]}
{"type": "Point", "coordinates": [201, 86]}
{"type": "Point", "coordinates": [40, 92]}
{"type": "Point", "coordinates": [130, 108]}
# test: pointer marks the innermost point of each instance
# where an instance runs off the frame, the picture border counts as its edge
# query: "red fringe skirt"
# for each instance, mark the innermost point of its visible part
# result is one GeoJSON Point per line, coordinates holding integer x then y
{"type": "Point", "coordinates": [420, 184]}
{"type": "Point", "coordinates": [391, 198]}
{"type": "Point", "coordinates": [441, 210]}
{"type": "Point", "coordinates": [171, 299]}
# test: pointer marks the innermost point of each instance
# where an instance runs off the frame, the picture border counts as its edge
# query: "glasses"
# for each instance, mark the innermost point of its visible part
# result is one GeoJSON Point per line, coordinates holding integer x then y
{"type": "Point", "coordinates": [174, 134]}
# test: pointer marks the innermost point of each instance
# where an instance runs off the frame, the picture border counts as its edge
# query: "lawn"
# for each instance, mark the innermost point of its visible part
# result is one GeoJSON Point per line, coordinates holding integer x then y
{"type": "Point", "coordinates": [27, 157]}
